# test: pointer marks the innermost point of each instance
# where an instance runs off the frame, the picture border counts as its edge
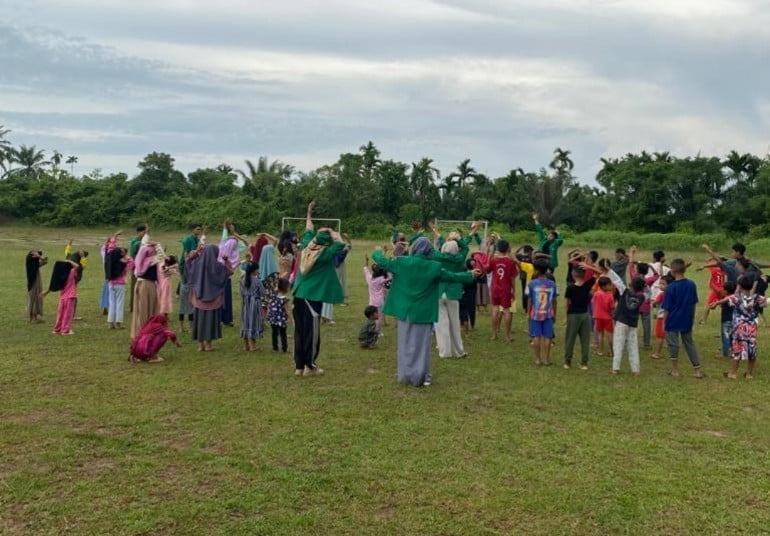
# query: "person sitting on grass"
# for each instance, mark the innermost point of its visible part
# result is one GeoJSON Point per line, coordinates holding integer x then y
{"type": "Point", "coordinates": [369, 333]}
{"type": "Point", "coordinates": [542, 312]}
{"type": "Point", "coordinates": [150, 339]}
{"type": "Point", "coordinates": [678, 307]}
{"type": "Point", "coordinates": [747, 306]}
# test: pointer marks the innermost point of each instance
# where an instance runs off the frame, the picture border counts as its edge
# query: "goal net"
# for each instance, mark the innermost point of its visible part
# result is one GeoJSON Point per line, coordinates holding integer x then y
{"type": "Point", "coordinates": [291, 223]}
{"type": "Point", "coordinates": [464, 225]}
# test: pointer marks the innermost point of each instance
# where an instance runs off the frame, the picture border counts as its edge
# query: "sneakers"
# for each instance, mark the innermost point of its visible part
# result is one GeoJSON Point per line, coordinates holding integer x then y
{"type": "Point", "coordinates": [583, 367]}
{"type": "Point", "coordinates": [567, 366]}
{"type": "Point", "coordinates": [312, 371]}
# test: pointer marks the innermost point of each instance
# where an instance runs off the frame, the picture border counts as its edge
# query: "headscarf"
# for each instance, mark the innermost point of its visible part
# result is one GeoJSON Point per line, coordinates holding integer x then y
{"type": "Point", "coordinates": [267, 264]}
{"type": "Point", "coordinates": [286, 243]}
{"type": "Point", "coordinates": [313, 250]}
{"type": "Point", "coordinates": [422, 246]}
{"type": "Point", "coordinates": [206, 276]}
{"type": "Point", "coordinates": [256, 249]}
{"type": "Point", "coordinates": [33, 268]}
{"type": "Point", "coordinates": [451, 247]}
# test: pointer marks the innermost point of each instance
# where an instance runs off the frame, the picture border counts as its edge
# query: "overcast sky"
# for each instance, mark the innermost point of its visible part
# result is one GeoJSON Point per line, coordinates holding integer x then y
{"type": "Point", "coordinates": [502, 82]}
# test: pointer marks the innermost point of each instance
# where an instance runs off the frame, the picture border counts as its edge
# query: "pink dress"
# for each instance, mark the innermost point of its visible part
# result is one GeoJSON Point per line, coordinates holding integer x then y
{"type": "Point", "coordinates": [165, 294]}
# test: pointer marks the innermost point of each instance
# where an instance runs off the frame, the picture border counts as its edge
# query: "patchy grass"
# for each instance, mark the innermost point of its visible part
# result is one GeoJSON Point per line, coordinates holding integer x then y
{"type": "Point", "coordinates": [232, 443]}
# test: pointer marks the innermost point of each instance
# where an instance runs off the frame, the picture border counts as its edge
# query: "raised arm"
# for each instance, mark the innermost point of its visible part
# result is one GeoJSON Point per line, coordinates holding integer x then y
{"type": "Point", "coordinates": [379, 257]}
{"type": "Point", "coordinates": [711, 254]}
{"type": "Point", "coordinates": [616, 280]}
{"type": "Point", "coordinates": [539, 227]}
{"type": "Point", "coordinates": [309, 216]}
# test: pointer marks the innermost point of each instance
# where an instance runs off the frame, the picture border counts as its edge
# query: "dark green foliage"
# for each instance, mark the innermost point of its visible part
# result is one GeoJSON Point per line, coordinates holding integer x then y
{"type": "Point", "coordinates": [637, 193]}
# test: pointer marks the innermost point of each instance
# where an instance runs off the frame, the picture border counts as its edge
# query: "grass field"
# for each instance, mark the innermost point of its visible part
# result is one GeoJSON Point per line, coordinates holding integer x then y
{"type": "Point", "coordinates": [231, 443]}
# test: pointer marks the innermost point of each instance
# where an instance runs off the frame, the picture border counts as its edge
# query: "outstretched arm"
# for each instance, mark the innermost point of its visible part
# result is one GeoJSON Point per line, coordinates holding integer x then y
{"type": "Point", "coordinates": [309, 216]}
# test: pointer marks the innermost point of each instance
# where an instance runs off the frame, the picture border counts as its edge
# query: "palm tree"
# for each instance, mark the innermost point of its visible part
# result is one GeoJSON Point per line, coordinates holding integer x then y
{"type": "Point", "coordinates": [742, 167]}
{"type": "Point", "coordinates": [561, 162]}
{"type": "Point", "coordinates": [72, 160]}
{"type": "Point", "coordinates": [31, 159]}
{"type": "Point", "coordinates": [371, 157]}
{"type": "Point", "coordinates": [423, 179]}
{"type": "Point", "coordinates": [6, 151]}
{"type": "Point", "coordinates": [266, 176]}
{"type": "Point", "coordinates": [464, 172]}
{"type": "Point", "coordinates": [56, 161]}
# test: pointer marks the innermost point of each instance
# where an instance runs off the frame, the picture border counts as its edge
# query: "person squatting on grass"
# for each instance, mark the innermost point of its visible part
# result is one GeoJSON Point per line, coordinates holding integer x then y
{"type": "Point", "coordinates": [678, 307]}
{"type": "Point", "coordinates": [747, 305]}
{"type": "Point", "coordinates": [369, 333]}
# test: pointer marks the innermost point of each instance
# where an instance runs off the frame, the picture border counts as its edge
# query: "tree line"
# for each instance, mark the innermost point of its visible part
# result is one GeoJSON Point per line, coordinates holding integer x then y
{"type": "Point", "coordinates": [641, 193]}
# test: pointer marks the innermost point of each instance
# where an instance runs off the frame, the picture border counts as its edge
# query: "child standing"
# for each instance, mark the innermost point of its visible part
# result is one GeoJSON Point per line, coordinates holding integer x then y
{"type": "Point", "coordinates": [468, 300]}
{"type": "Point", "coordinates": [578, 297]}
{"type": "Point", "coordinates": [603, 306]}
{"type": "Point", "coordinates": [377, 280]}
{"type": "Point", "coordinates": [504, 271]}
{"type": "Point", "coordinates": [369, 333]}
{"type": "Point", "coordinates": [727, 320]}
{"type": "Point", "coordinates": [747, 306]}
{"type": "Point", "coordinates": [542, 311]}
{"type": "Point", "coordinates": [660, 330]}
{"type": "Point", "coordinates": [679, 315]}
{"type": "Point", "coordinates": [716, 287]}
{"type": "Point", "coordinates": [626, 322]}
{"type": "Point", "coordinates": [278, 314]}
{"type": "Point", "coordinates": [67, 298]}
{"type": "Point", "coordinates": [168, 269]}
{"type": "Point", "coordinates": [251, 311]}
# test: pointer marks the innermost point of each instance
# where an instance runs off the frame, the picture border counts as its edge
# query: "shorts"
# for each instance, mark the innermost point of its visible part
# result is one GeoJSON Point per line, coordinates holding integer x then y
{"type": "Point", "coordinates": [541, 328]}
{"type": "Point", "coordinates": [604, 324]}
{"type": "Point", "coordinates": [501, 299]}
{"type": "Point", "coordinates": [713, 298]}
{"type": "Point", "coordinates": [660, 332]}
{"type": "Point", "coordinates": [744, 350]}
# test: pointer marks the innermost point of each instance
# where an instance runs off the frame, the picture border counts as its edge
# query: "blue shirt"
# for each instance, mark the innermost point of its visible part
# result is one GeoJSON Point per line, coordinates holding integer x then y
{"type": "Point", "coordinates": [542, 293]}
{"type": "Point", "coordinates": [679, 301]}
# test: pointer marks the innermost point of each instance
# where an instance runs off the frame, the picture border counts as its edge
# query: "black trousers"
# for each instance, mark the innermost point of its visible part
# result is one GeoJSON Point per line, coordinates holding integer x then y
{"type": "Point", "coordinates": [307, 332]}
{"type": "Point", "coordinates": [276, 332]}
{"type": "Point", "coordinates": [524, 297]}
{"type": "Point", "coordinates": [227, 307]}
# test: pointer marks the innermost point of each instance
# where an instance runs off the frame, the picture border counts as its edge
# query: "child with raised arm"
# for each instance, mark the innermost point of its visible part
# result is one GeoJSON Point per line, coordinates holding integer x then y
{"type": "Point", "coordinates": [716, 286]}
{"type": "Point", "coordinates": [377, 280]}
{"type": "Point", "coordinates": [549, 243]}
{"type": "Point", "coordinates": [678, 308]}
{"type": "Point", "coordinates": [542, 311]}
{"type": "Point", "coordinates": [642, 269]}
{"type": "Point", "coordinates": [660, 330]}
{"type": "Point", "coordinates": [626, 322]}
{"type": "Point", "coordinates": [747, 306]}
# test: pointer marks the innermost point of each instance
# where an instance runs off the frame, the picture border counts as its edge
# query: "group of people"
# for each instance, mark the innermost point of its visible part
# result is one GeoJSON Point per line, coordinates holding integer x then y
{"type": "Point", "coordinates": [432, 284]}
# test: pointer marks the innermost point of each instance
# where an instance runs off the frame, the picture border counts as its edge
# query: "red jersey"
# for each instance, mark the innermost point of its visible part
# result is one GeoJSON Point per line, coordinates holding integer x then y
{"type": "Point", "coordinates": [717, 280]}
{"type": "Point", "coordinates": [603, 303]}
{"type": "Point", "coordinates": [504, 271]}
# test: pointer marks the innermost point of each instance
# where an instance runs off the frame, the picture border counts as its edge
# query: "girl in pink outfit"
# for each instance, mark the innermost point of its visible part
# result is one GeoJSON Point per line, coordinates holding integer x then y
{"type": "Point", "coordinates": [67, 298]}
{"type": "Point", "coordinates": [168, 269]}
{"type": "Point", "coordinates": [377, 280]}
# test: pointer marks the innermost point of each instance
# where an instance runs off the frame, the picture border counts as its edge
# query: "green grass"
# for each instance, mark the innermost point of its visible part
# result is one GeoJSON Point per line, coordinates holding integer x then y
{"type": "Point", "coordinates": [231, 443]}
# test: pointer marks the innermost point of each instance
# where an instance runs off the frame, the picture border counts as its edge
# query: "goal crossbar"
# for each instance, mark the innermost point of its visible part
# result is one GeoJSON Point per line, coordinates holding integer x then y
{"type": "Point", "coordinates": [285, 222]}
{"type": "Point", "coordinates": [464, 225]}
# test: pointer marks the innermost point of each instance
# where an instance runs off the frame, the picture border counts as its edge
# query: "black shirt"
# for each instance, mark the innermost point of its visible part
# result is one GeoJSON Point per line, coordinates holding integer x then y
{"type": "Point", "coordinates": [579, 297]}
{"type": "Point", "coordinates": [727, 312]}
{"type": "Point", "coordinates": [627, 310]}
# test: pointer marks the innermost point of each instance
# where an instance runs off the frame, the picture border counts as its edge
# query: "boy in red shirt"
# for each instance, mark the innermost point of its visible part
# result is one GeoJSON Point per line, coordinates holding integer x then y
{"type": "Point", "coordinates": [716, 286]}
{"type": "Point", "coordinates": [504, 271]}
{"type": "Point", "coordinates": [603, 305]}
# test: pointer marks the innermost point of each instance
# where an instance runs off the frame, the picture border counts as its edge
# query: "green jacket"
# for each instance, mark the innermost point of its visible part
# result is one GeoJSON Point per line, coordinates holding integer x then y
{"type": "Point", "coordinates": [453, 263]}
{"type": "Point", "coordinates": [321, 282]}
{"type": "Point", "coordinates": [553, 250]}
{"type": "Point", "coordinates": [413, 295]}
{"type": "Point", "coordinates": [133, 246]}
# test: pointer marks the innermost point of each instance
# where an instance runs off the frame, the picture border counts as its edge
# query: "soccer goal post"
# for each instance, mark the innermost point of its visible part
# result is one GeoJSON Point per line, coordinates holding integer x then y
{"type": "Point", "coordinates": [463, 225]}
{"type": "Point", "coordinates": [286, 223]}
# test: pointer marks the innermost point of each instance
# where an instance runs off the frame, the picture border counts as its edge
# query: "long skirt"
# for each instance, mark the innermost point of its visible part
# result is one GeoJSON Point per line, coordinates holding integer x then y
{"type": "Point", "coordinates": [414, 352]}
{"type": "Point", "coordinates": [327, 311]}
{"type": "Point", "coordinates": [251, 318]}
{"type": "Point", "coordinates": [131, 288]}
{"type": "Point", "coordinates": [104, 301]}
{"type": "Point", "coordinates": [482, 293]}
{"type": "Point", "coordinates": [34, 300]}
{"type": "Point", "coordinates": [307, 332]}
{"type": "Point", "coordinates": [227, 308]}
{"type": "Point", "coordinates": [448, 330]}
{"type": "Point", "coordinates": [343, 277]}
{"type": "Point", "coordinates": [207, 325]}
{"type": "Point", "coordinates": [145, 304]}
{"type": "Point", "coordinates": [185, 307]}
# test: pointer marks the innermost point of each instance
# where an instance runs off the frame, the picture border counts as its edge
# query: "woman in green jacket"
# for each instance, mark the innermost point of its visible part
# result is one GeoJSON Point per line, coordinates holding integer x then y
{"type": "Point", "coordinates": [317, 283]}
{"type": "Point", "coordinates": [413, 300]}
